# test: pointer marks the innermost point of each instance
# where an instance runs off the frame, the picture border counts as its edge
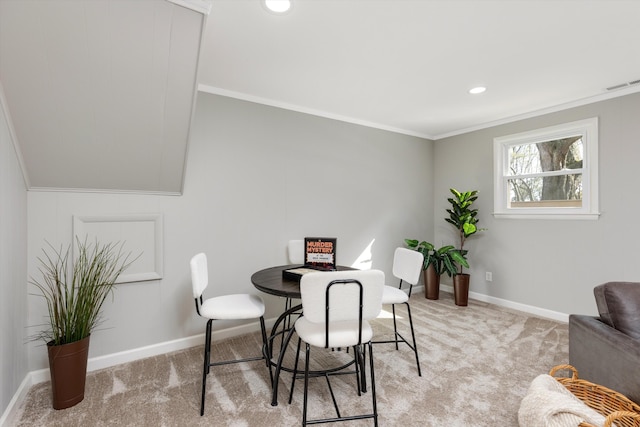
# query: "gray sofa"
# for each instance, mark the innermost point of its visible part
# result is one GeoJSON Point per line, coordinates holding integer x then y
{"type": "Point", "coordinates": [606, 349]}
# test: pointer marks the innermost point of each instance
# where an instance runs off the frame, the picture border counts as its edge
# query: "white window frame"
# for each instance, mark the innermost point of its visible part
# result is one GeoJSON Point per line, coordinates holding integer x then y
{"type": "Point", "coordinates": [588, 128]}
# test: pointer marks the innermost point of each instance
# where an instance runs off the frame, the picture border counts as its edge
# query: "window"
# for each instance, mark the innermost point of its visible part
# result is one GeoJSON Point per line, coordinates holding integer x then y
{"type": "Point", "coordinates": [548, 173]}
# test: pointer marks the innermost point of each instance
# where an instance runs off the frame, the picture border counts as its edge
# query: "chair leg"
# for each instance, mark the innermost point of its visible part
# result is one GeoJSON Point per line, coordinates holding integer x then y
{"type": "Point", "coordinates": [373, 384]}
{"type": "Point", "coordinates": [395, 326]}
{"type": "Point", "coordinates": [265, 348]}
{"type": "Point", "coordinates": [359, 365]}
{"type": "Point", "coordinates": [295, 371]}
{"type": "Point", "coordinates": [413, 336]}
{"type": "Point", "coordinates": [207, 364]}
{"type": "Point", "coordinates": [306, 385]}
{"type": "Point", "coordinates": [206, 368]}
{"type": "Point", "coordinates": [359, 354]}
{"type": "Point", "coordinates": [207, 346]}
{"type": "Point", "coordinates": [399, 338]}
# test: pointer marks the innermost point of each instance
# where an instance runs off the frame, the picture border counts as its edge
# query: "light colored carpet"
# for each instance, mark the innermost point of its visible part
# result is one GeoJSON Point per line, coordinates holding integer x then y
{"type": "Point", "coordinates": [477, 364]}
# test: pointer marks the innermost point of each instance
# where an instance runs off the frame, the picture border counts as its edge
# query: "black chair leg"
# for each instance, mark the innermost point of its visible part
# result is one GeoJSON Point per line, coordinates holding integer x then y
{"type": "Point", "coordinates": [395, 326]}
{"type": "Point", "coordinates": [207, 364]}
{"type": "Point", "coordinates": [306, 385]}
{"type": "Point", "coordinates": [207, 358]}
{"type": "Point", "coordinates": [265, 349]}
{"type": "Point", "coordinates": [373, 384]}
{"type": "Point", "coordinates": [359, 368]}
{"type": "Point", "coordinates": [413, 335]}
{"type": "Point", "coordinates": [207, 347]}
{"type": "Point", "coordinates": [295, 372]}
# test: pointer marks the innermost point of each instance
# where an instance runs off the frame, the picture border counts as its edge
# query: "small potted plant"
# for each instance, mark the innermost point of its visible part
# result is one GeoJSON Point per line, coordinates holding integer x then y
{"type": "Point", "coordinates": [75, 291]}
{"type": "Point", "coordinates": [436, 262]}
{"type": "Point", "coordinates": [464, 218]}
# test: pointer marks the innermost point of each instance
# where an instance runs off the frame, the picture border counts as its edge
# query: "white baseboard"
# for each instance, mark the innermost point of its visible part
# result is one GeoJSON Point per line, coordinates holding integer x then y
{"type": "Point", "coordinates": [536, 311]}
{"type": "Point", "coordinates": [12, 414]}
{"type": "Point", "coordinates": [114, 359]}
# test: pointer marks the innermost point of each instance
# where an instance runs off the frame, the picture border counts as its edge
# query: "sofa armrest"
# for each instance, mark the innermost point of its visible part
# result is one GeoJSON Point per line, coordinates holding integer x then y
{"type": "Point", "coordinates": [604, 355]}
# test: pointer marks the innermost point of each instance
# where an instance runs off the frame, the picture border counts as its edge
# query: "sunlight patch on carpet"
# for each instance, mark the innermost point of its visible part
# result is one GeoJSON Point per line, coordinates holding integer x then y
{"type": "Point", "coordinates": [117, 388]}
{"type": "Point", "coordinates": [174, 380]}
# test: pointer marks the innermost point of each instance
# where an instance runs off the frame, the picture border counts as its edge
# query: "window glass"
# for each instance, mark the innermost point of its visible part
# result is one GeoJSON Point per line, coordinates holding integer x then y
{"type": "Point", "coordinates": [551, 171]}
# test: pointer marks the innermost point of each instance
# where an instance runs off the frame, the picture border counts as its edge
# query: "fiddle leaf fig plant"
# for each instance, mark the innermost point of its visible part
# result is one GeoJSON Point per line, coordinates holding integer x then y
{"type": "Point", "coordinates": [463, 217]}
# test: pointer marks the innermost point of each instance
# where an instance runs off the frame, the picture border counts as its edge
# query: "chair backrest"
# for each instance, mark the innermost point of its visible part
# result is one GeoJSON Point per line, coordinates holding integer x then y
{"type": "Point", "coordinates": [407, 265]}
{"type": "Point", "coordinates": [295, 250]}
{"type": "Point", "coordinates": [343, 299]}
{"type": "Point", "coordinates": [199, 274]}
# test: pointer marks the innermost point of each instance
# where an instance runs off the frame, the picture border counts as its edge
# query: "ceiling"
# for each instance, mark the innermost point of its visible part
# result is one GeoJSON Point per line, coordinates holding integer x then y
{"type": "Point", "coordinates": [100, 93]}
{"type": "Point", "coordinates": [407, 65]}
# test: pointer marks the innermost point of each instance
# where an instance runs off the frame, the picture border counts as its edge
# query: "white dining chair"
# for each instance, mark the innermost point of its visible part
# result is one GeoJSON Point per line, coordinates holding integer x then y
{"type": "Point", "coordinates": [336, 308]}
{"type": "Point", "coordinates": [225, 307]}
{"type": "Point", "coordinates": [295, 251]}
{"type": "Point", "coordinates": [407, 265]}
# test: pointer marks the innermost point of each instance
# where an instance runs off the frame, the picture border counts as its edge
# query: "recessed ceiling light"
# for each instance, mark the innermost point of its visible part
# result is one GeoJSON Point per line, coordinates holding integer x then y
{"type": "Point", "coordinates": [477, 90]}
{"type": "Point", "coordinates": [277, 6]}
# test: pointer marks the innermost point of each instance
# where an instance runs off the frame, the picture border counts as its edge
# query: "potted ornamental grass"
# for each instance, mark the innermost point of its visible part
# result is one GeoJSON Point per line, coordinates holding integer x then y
{"type": "Point", "coordinates": [74, 291]}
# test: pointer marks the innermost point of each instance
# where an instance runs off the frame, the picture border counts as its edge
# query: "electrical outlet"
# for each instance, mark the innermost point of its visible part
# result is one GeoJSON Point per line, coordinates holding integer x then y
{"type": "Point", "coordinates": [488, 276]}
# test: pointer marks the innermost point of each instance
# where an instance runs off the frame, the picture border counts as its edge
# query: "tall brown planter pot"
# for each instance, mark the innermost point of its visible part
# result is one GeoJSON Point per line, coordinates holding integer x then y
{"type": "Point", "coordinates": [431, 283]}
{"type": "Point", "coordinates": [461, 289]}
{"type": "Point", "coordinates": [68, 367]}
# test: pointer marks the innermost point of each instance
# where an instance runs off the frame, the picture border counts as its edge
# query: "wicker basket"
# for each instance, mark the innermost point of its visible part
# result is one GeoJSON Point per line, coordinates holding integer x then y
{"type": "Point", "coordinates": [618, 410]}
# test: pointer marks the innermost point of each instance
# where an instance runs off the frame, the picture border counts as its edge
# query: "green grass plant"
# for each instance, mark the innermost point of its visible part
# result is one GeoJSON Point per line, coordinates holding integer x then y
{"type": "Point", "coordinates": [76, 293]}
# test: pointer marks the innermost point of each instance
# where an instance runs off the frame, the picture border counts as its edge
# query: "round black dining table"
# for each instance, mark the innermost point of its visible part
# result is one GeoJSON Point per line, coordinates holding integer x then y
{"type": "Point", "coordinates": [272, 281]}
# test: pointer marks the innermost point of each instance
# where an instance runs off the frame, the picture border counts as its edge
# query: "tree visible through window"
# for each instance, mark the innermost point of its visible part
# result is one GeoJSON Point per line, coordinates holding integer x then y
{"type": "Point", "coordinates": [548, 172]}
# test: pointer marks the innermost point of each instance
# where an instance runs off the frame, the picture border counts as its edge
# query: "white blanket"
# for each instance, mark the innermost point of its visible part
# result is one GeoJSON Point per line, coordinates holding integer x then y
{"type": "Point", "coordinates": [549, 404]}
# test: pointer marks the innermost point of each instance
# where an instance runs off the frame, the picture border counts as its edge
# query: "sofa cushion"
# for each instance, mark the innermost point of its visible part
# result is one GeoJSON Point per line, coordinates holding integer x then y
{"type": "Point", "coordinates": [619, 306]}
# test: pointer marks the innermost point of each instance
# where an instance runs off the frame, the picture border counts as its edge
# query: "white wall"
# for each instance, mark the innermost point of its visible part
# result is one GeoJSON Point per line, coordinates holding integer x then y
{"type": "Point", "coordinates": [257, 176]}
{"type": "Point", "coordinates": [13, 266]}
{"type": "Point", "coordinates": [553, 264]}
